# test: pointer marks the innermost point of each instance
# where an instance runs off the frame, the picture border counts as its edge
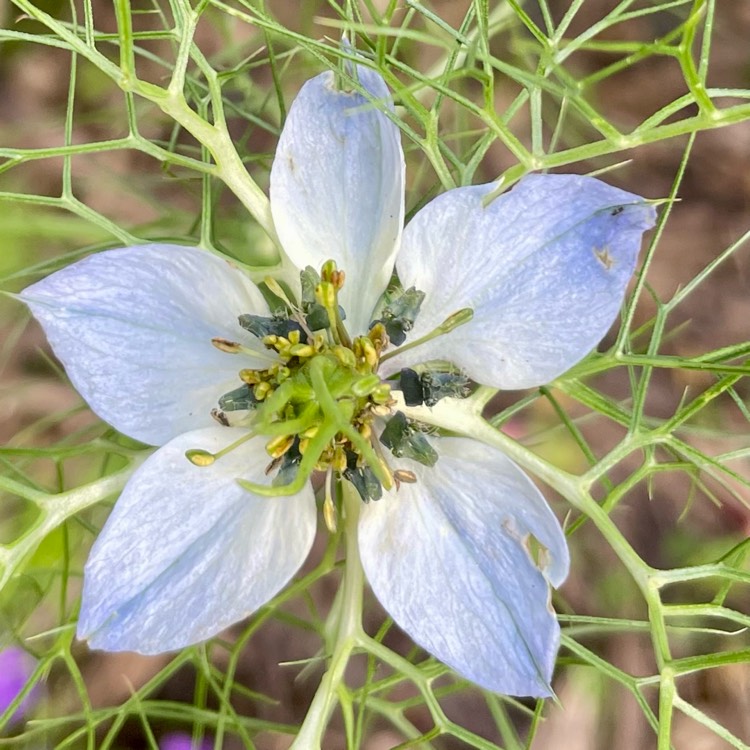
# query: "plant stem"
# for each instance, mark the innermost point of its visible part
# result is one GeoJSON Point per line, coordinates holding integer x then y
{"type": "Point", "coordinates": [347, 620]}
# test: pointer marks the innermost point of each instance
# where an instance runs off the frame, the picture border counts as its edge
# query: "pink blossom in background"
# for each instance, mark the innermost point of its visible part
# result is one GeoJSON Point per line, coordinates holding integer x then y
{"type": "Point", "coordinates": [16, 667]}
{"type": "Point", "coordinates": [183, 741]}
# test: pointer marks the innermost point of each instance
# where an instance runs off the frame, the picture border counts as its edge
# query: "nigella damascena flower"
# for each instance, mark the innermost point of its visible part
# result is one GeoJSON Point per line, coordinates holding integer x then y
{"type": "Point", "coordinates": [507, 292]}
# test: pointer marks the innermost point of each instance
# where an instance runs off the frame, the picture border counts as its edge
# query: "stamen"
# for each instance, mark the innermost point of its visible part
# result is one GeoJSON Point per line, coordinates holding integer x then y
{"type": "Point", "coordinates": [201, 457]}
{"type": "Point", "coordinates": [459, 318]}
{"type": "Point", "coordinates": [329, 507]}
{"type": "Point", "coordinates": [402, 476]}
{"type": "Point", "coordinates": [234, 347]}
{"type": "Point", "coordinates": [225, 345]}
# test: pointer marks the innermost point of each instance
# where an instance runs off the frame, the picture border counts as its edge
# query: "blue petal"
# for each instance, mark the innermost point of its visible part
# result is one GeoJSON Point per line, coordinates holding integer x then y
{"type": "Point", "coordinates": [337, 187]}
{"type": "Point", "coordinates": [187, 552]}
{"type": "Point", "coordinates": [544, 267]}
{"type": "Point", "coordinates": [133, 328]}
{"type": "Point", "coordinates": [449, 558]}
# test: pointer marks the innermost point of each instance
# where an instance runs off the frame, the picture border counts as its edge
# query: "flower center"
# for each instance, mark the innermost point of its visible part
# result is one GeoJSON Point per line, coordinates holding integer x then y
{"type": "Point", "coordinates": [321, 403]}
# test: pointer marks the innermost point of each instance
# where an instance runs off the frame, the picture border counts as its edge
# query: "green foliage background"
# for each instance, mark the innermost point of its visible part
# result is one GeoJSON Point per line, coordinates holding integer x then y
{"type": "Point", "coordinates": [165, 129]}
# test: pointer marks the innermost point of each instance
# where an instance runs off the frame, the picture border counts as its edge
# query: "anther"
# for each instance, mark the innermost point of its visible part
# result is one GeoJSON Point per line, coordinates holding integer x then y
{"type": "Point", "coordinates": [310, 432]}
{"type": "Point", "coordinates": [344, 355]}
{"type": "Point", "coordinates": [459, 318]}
{"type": "Point", "coordinates": [220, 417]}
{"type": "Point", "coordinates": [225, 345]}
{"type": "Point", "coordinates": [339, 459]}
{"type": "Point", "coordinates": [251, 377]}
{"type": "Point", "coordinates": [262, 390]}
{"type": "Point", "coordinates": [199, 457]}
{"type": "Point", "coordinates": [329, 507]}
{"type": "Point", "coordinates": [369, 352]}
{"type": "Point", "coordinates": [402, 475]}
{"type": "Point", "coordinates": [302, 351]}
{"type": "Point", "coordinates": [279, 445]}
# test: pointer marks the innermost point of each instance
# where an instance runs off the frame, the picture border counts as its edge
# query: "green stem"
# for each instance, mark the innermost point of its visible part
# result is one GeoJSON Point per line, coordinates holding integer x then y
{"type": "Point", "coordinates": [347, 633]}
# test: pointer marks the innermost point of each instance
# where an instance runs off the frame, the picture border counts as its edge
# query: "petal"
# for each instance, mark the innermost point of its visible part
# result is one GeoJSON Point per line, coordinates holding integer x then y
{"type": "Point", "coordinates": [337, 187]}
{"type": "Point", "coordinates": [133, 328]}
{"type": "Point", "coordinates": [448, 558]}
{"type": "Point", "coordinates": [544, 267]}
{"type": "Point", "coordinates": [186, 551]}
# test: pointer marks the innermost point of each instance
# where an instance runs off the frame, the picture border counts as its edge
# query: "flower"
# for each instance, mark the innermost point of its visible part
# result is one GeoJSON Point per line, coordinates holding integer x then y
{"type": "Point", "coordinates": [182, 741]}
{"type": "Point", "coordinates": [195, 545]}
{"type": "Point", "coordinates": [16, 667]}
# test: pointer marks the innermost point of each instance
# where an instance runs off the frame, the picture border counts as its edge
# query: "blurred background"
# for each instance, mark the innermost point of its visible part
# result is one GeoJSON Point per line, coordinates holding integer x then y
{"type": "Point", "coordinates": [54, 209]}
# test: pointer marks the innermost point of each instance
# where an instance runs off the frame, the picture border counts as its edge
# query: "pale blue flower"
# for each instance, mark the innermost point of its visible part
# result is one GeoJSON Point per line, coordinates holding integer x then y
{"type": "Point", "coordinates": [187, 551]}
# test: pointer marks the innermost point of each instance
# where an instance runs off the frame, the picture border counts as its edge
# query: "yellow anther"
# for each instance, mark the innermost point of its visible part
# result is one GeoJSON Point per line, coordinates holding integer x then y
{"type": "Point", "coordinates": [282, 374]}
{"type": "Point", "coordinates": [365, 430]}
{"type": "Point", "coordinates": [302, 351]}
{"type": "Point", "coordinates": [279, 445]}
{"type": "Point", "coordinates": [329, 514]}
{"type": "Point", "coordinates": [251, 377]}
{"type": "Point", "coordinates": [345, 356]}
{"type": "Point", "coordinates": [294, 337]}
{"type": "Point", "coordinates": [388, 474]}
{"type": "Point", "coordinates": [457, 319]}
{"type": "Point", "coordinates": [339, 459]}
{"type": "Point", "coordinates": [199, 457]}
{"type": "Point", "coordinates": [310, 432]}
{"type": "Point", "coordinates": [262, 390]}
{"type": "Point", "coordinates": [302, 447]}
{"type": "Point", "coordinates": [369, 353]}
{"type": "Point", "coordinates": [319, 342]}
{"type": "Point", "coordinates": [270, 340]}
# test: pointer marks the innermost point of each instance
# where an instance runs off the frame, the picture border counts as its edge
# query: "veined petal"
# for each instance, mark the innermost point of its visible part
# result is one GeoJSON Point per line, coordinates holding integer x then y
{"type": "Point", "coordinates": [186, 551]}
{"type": "Point", "coordinates": [544, 267]}
{"type": "Point", "coordinates": [449, 558]}
{"type": "Point", "coordinates": [133, 328]}
{"type": "Point", "coordinates": [337, 187]}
